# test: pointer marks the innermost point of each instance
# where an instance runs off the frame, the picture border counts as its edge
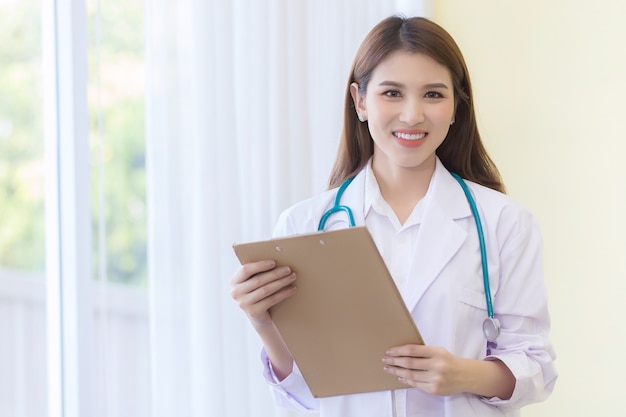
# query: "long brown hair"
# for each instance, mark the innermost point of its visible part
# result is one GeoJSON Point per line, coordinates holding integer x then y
{"type": "Point", "coordinates": [462, 150]}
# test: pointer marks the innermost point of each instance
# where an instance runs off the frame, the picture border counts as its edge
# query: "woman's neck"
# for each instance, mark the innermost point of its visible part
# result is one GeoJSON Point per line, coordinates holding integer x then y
{"type": "Point", "coordinates": [402, 188]}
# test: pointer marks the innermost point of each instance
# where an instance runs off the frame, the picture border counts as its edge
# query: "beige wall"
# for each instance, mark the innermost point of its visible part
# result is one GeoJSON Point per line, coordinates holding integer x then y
{"type": "Point", "coordinates": [550, 81]}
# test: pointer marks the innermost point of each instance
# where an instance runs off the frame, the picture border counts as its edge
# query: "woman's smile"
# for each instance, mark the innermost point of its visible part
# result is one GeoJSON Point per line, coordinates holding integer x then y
{"type": "Point", "coordinates": [410, 139]}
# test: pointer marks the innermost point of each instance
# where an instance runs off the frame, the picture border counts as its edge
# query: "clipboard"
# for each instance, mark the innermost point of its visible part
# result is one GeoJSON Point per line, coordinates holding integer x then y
{"type": "Point", "coordinates": [346, 313]}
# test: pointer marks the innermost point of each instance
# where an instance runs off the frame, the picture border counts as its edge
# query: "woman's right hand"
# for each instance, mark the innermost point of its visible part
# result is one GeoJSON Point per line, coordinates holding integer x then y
{"type": "Point", "coordinates": [257, 286]}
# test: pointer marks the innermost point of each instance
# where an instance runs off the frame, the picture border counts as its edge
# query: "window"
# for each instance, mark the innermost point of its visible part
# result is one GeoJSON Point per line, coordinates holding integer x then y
{"type": "Point", "coordinates": [117, 188]}
{"type": "Point", "coordinates": [23, 358]}
{"type": "Point", "coordinates": [116, 94]}
{"type": "Point", "coordinates": [88, 327]}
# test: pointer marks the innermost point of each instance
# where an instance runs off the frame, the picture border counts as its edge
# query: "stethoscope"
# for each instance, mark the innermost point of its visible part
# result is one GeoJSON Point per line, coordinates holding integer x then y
{"type": "Point", "coordinates": [491, 325]}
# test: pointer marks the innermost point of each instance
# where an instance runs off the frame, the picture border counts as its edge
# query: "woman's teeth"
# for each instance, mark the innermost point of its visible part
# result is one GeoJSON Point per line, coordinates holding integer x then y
{"type": "Point", "coordinates": [407, 136]}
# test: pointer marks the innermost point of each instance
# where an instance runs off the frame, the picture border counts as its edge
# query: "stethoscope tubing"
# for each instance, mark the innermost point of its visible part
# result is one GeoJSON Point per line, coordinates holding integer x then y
{"type": "Point", "coordinates": [338, 207]}
{"type": "Point", "coordinates": [481, 241]}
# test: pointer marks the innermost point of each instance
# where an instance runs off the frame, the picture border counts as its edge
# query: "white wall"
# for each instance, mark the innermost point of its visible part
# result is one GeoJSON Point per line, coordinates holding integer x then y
{"type": "Point", "coordinates": [550, 84]}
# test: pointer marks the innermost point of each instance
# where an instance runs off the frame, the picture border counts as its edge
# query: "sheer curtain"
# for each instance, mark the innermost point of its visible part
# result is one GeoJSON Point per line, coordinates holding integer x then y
{"type": "Point", "coordinates": [244, 107]}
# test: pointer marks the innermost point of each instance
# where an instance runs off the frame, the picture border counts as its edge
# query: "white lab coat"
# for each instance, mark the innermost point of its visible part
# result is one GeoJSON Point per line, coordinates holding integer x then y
{"type": "Point", "coordinates": [446, 297]}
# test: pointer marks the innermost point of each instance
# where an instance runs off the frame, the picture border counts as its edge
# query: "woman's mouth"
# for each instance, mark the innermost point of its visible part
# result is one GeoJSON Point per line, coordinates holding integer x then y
{"type": "Point", "coordinates": [410, 139]}
{"type": "Point", "coordinates": [407, 136]}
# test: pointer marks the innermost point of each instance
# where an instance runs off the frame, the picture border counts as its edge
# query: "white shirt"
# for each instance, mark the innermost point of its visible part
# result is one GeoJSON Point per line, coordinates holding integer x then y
{"type": "Point", "coordinates": [396, 243]}
{"type": "Point", "coordinates": [435, 259]}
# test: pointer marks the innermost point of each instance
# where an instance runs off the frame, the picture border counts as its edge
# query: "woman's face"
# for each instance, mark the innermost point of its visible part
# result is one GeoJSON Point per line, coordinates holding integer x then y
{"type": "Point", "coordinates": [409, 105]}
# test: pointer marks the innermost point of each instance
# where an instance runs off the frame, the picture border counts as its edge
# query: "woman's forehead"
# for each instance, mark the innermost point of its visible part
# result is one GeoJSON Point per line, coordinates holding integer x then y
{"type": "Point", "coordinates": [410, 68]}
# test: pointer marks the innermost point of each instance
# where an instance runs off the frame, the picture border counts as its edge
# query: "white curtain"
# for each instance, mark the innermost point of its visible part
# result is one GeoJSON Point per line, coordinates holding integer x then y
{"type": "Point", "coordinates": [243, 114]}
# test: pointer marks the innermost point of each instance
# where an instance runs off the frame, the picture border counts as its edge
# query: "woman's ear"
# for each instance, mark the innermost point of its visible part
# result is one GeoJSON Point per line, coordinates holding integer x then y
{"type": "Point", "coordinates": [359, 101]}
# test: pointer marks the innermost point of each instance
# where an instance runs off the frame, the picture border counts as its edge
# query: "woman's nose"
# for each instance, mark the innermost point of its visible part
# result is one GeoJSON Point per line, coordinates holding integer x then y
{"type": "Point", "coordinates": [412, 112]}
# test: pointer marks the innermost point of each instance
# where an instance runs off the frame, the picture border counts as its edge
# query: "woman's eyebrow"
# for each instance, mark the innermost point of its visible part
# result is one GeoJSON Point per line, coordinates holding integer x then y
{"type": "Point", "coordinates": [436, 85]}
{"type": "Point", "coordinates": [391, 84]}
{"type": "Point", "coordinates": [426, 87]}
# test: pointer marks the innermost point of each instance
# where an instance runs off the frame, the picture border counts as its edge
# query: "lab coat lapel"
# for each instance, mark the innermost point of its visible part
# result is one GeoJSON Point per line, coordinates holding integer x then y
{"type": "Point", "coordinates": [440, 236]}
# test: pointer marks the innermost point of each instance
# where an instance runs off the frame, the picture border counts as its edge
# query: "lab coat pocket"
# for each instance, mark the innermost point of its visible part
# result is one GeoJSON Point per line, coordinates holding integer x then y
{"type": "Point", "coordinates": [471, 311]}
{"type": "Point", "coordinates": [473, 298]}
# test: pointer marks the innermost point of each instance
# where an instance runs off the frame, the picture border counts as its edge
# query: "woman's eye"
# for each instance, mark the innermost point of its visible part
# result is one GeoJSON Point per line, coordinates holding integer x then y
{"type": "Point", "coordinates": [433, 94]}
{"type": "Point", "coordinates": [392, 93]}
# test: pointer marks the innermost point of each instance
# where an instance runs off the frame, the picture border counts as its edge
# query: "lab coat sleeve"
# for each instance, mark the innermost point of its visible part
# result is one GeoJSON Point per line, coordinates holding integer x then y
{"type": "Point", "coordinates": [284, 226]}
{"type": "Point", "coordinates": [520, 303]}
{"type": "Point", "coordinates": [292, 392]}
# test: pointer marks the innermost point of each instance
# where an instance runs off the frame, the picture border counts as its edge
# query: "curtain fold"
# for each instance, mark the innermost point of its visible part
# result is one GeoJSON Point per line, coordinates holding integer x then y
{"type": "Point", "coordinates": [243, 114]}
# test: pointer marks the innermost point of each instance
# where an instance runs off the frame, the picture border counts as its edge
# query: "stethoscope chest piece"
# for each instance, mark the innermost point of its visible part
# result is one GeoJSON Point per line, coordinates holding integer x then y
{"type": "Point", "coordinates": [491, 328]}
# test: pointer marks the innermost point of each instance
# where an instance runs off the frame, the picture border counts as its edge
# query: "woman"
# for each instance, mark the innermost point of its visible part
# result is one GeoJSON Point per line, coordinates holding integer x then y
{"type": "Point", "coordinates": [409, 121]}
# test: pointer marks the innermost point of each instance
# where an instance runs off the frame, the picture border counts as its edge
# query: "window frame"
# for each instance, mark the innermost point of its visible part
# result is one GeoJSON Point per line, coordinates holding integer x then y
{"type": "Point", "coordinates": [67, 208]}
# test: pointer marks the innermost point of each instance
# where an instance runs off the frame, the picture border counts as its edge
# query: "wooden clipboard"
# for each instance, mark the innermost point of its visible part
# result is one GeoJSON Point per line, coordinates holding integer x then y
{"type": "Point", "coordinates": [346, 313]}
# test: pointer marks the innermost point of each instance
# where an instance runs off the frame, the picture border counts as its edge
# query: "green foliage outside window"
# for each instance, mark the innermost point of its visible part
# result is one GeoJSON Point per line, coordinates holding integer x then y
{"type": "Point", "coordinates": [22, 243]}
{"type": "Point", "coordinates": [116, 103]}
{"type": "Point", "coordinates": [116, 120]}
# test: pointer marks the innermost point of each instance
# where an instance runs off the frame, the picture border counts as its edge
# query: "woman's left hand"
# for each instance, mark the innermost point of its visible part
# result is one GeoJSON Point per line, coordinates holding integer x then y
{"type": "Point", "coordinates": [429, 368]}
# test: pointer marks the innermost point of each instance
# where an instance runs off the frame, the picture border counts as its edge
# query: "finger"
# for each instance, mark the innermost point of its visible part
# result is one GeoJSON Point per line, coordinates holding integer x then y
{"type": "Point", "coordinates": [405, 373]}
{"type": "Point", "coordinates": [261, 287]}
{"type": "Point", "coordinates": [416, 351]}
{"type": "Point", "coordinates": [269, 284]}
{"type": "Point", "coordinates": [427, 381]}
{"type": "Point", "coordinates": [275, 278]}
{"type": "Point", "coordinates": [410, 377]}
{"type": "Point", "coordinates": [251, 269]}
{"type": "Point", "coordinates": [263, 305]}
{"type": "Point", "coordinates": [257, 280]}
{"type": "Point", "coordinates": [418, 364]}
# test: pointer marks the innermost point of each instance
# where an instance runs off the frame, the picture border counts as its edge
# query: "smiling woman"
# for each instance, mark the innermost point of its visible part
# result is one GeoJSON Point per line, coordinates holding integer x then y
{"type": "Point", "coordinates": [408, 83]}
